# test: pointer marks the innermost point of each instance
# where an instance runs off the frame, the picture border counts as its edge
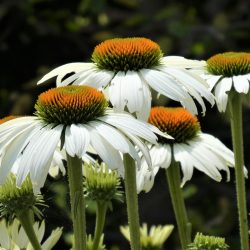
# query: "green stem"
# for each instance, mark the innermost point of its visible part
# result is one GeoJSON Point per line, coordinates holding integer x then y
{"type": "Point", "coordinates": [26, 219]}
{"type": "Point", "coordinates": [174, 184]}
{"type": "Point", "coordinates": [132, 202]}
{"type": "Point", "coordinates": [237, 137]}
{"type": "Point", "coordinates": [75, 177]}
{"type": "Point", "coordinates": [101, 210]}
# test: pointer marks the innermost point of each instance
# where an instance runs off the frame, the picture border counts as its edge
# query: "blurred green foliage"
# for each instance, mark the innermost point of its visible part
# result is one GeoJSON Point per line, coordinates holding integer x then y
{"type": "Point", "coordinates": [38, 35]}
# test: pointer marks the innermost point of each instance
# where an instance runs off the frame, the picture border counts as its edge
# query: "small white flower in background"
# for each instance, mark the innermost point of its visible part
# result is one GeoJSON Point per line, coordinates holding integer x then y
{"type": "Point", "coordinates": [227, 72]}
{"type": "Point", "coordinates": [76, 117]}
{"type": "Point", "coordinates": [13, 236]}
{"type": "Point", "coordinates": [191, 148]}
{"type": "Point", "coordinates": [150, 239]}
{"type": "Point", "coordinates": [130, 67]}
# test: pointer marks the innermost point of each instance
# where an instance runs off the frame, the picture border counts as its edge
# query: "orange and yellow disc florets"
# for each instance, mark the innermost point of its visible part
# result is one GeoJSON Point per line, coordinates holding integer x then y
{"type": "Point", "coordinates": [70, 105]}
{"type": "Point", "coordinates": [8, 118]}
{"type": "Point", "coordinates": [123, 54]}
{"type": "Point", "coordinates": [177, 122]}
{"type": "Point", "coordinates": [229, 64]}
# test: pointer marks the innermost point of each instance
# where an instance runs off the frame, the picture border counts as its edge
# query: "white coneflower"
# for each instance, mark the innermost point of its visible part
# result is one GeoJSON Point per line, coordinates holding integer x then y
{"type": "Point", "coordinates": [130, 67]}
{"type": "Point", "coordinates": [191, 148]}
{"type": "Point", "coordinates": [77, 117]}
{"type": "Point", "coordinates": [227, 72]}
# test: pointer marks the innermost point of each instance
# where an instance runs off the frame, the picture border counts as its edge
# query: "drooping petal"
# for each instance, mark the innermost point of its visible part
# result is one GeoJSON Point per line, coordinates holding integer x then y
{"type": "Point", "coordinates": [221, 95]}
{"type": "Point", "coordinates": [168, 87]}
{"type": "Point", "coordinates": [77, 140]}
{"type": "Point", "coordinates": [12, 151]}
{"type": "Point", "coordinates": [130, 125]}
{"type": "Point", "coordinates": [186, 164]}
{"type": "Point", "coordinates": [63, 70]}
{"type": "Point", "coordinates": [38, 154]}
{"type": "Point", "coordinates": [182, 62]}
{"type": "Point", "coordinates": [145, 178]}
{"type": "Point", "coordinates": [95, 78]}
{"type": "Point", "coordinates": [241, 84]}
{"type": "Point", "coordinates": [105, 150]}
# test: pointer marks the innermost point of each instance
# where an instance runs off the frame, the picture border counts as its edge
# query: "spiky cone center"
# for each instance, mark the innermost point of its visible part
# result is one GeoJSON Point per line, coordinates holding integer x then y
{"type": "Point", "coordinates": [229, 64]}
{"type": "Point", "coordinates": [8, 118]}
{"type": "Point", "coordinates": [70, 105]}
{"type": "Point", "coordinates": [123, 54]}
{"type": "Point", "coordinates": [101, 184]}
{"type": "Point", "coordinates": [15, 200]}
{"type": "Point", "coordinates": [177, 122]}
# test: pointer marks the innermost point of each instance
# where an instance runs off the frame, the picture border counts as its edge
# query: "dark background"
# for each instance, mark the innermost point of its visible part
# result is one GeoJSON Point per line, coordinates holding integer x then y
{"type": "Point", "coordinates": [38, 35]}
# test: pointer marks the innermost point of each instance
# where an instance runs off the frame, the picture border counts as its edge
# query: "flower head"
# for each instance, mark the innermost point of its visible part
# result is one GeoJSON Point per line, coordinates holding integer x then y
{"type": "Point", "coordinates": [208, 243]}
{"type": "Point", "coordinates": [124, 54]}
{"type": "Point", "coordinates": [13, 200]}
{"type": "Point", "coordinates": [102, 184]}
{"type": "Point", "coordinates": [129, 68]}
{"type": "Point", "coordinates": [77, 118]}
{"type": "Point", "coordinates": [227, 72]}
{"type": "Point", "coordinates": [152, 239]}
{"type": "Point", "coordinates": [192, 148]}
{"type": "Point", "coordinates": [13, 236]}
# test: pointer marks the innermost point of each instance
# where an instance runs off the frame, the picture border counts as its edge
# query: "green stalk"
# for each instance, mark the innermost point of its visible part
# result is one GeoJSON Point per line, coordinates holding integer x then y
{"type": "Point", "coordinates": [132, 202]}
{"type": "Point", "coordinates": [237, 137]}
{"type": "Point", "coordinates": [75, 177]}
{"type": "Point", "coordinates": [174, 185]}
{"type": "Point", "coordinates": [101, 210]}
{"type": "Point", "coordinates": [26, 218]}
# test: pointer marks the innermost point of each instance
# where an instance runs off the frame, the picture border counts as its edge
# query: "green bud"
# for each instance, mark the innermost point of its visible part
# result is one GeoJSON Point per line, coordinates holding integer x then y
{"type": "Point", "coordinates": [101, 184]}
{"type": "Point", "coordinates": [14, 200]}
{"type": "Point", "coordinates": [203, 242]}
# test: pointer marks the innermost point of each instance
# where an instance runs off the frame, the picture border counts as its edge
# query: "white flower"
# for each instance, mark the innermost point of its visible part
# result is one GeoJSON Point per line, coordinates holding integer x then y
{"type": "Point", "coordinates": [130, 67]}
{"type": "Point", "coordinates": [191, 148]}
{"type": "Point", "coordinates": [227, 72]}
{"type": "Point", "coordinates": [76, 117]}
{"type": "Point", "coordinates": [13, 236]}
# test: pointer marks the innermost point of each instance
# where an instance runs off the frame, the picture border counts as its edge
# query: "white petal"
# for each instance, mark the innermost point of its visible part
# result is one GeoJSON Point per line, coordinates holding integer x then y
{"type": "Point", "coordinates": [129, 124]}
{"type": "Point", "coordinates": [95, 78]}
{"type": "Point", "coordinates": [161, 155]}
{"type": "Point", "coordinates": [145, 178]}
{"type": "Point", "coordinates": [77, 140]}
{"type": "Point", "coordinates": [63, 70]}
{"type": "Point", "coordinates": [182, 62]}
{"type": "Point", "coordinates": [106, 151]}
{"type": "Point", "coordinates": [241, 84]}
{"type": "Point", "coordinates": [117, 89]}
{"type": "Point", "coordinates": [169, 87]}
{"type": "Point", "coordinates": [183, 157]}
{"type": "Point", "coordinates": [112, 135]}
{"type": "Point", "coordinates": [201, 161]}
{"type": "Point", "coordinates": [147, 98]}
{"type": "Point", "coordinates": [213, 80]}
{"type": "Point", "coordinates": [11, 153]}
{"type": "Point", "coordinates": [221, 93]}
{"type": "Point", "coordinates": [37, 156]}
{"type": "Point", "coordinates": [190, 82]}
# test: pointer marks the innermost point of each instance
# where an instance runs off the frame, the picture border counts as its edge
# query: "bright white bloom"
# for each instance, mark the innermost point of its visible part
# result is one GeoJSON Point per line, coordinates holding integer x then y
{"type": "Point", "coordinates": [56, 166]}
{"type": "Point", "coordinates": [13, 236]}
{"type": "Point", "coordinates": [77, 118]}
{"type": "Point", "coordinates": [191, 148]}
{"type": "Point", "coordinates": [153, 238]}
{"type": "Point", "coordinates": [130, 67]}
{"type": "Point", "coordinates": [225, 73]}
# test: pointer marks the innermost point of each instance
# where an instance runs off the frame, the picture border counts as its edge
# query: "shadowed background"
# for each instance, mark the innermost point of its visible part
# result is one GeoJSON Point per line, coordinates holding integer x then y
{"type": "Point", "coordinates": [38, 35]}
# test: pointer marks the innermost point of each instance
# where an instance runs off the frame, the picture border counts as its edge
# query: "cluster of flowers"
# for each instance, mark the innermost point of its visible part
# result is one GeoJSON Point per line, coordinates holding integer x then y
{"type": "Point", "coordinates": [104, 108]}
